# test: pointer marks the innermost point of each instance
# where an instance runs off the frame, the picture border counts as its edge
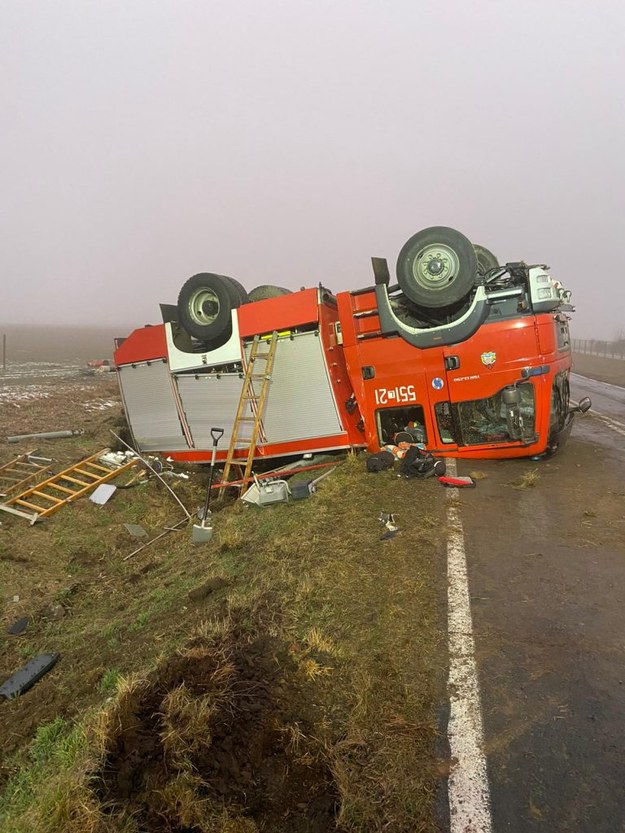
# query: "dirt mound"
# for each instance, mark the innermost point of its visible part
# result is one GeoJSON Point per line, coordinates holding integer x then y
{"type": "Point", "coordinates": [214, 742]}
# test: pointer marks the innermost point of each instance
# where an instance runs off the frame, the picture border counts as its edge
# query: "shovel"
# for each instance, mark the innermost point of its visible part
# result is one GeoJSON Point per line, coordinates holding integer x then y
{"type": "Point", "coordinates": [202, 533]}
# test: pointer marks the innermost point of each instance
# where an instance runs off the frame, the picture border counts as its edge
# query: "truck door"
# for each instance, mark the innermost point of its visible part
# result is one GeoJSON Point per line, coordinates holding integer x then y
{"type": "Point", "coordinates": [469, 401]}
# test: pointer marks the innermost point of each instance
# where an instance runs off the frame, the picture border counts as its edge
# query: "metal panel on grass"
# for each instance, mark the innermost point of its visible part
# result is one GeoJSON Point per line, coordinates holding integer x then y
{"type": "Point", "coordinates": [152, 413]}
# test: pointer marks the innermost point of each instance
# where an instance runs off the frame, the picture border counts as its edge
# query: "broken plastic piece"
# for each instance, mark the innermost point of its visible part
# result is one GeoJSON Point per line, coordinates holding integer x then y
{"type": "Point", "coordinates": [136, 531]}
{"type": "Point", "coordinates": [18, 627]}
{"type": "Point", "coordinates": [457, 482]}
{"type": "Point", "coordinates": [27, 676]}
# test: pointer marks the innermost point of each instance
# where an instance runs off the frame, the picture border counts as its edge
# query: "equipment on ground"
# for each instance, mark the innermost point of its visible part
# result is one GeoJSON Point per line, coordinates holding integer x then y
{"type": "Point", "coordinates": [57, 491]}
{"type": "Point", "coordinates": [203, 532]}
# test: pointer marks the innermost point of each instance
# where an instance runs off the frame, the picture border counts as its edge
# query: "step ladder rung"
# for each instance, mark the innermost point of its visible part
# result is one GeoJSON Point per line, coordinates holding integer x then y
{"type": "Point", "coordinates": [87, 473]}
{"type": "Point", "coordinates": [97, 466]}
{"type": "Point", "coordinates": [34, 506]}
{"type": "Point", "coordinates": [48, 497]}
{"type": "Point", "coordinates": [74, 480]}
{"type": "Point", "coordinates": [62, 488]}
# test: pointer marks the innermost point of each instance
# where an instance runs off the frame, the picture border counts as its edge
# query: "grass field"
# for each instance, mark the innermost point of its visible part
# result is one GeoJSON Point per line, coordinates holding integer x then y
{"type": "Point", "coordinates": [287, 676]}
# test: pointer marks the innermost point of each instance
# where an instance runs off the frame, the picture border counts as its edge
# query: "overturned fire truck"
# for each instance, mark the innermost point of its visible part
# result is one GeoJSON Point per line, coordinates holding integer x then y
{"type": "Point", "coordinates": [472, 358]}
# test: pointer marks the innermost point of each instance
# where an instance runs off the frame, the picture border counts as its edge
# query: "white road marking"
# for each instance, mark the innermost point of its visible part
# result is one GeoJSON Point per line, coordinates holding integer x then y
{"type": "Point", "coordinates": [614, 424]}
{"type": "Point", "coordinates": [469, 794]}
{"type": "Point", "coordinates": [619, 388]}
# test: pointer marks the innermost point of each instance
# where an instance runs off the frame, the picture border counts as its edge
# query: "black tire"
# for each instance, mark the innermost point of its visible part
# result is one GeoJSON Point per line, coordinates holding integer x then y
{"type": "Point", "coordinates": [240, 293]}
{"type": "Point", "coordinates": [486, 260]}
{"type": "Point", "coordinates": [437, 267]}
{"type": "Point", "coordinates": [262, 293]}
{"type": "Point", "coordinates": [205, 303]}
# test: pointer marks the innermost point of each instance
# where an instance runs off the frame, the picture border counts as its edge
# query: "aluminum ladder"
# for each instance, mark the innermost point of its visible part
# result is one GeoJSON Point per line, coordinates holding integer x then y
{"type": "Point", "coordinates": [52, 494]}
{"type": "Point", "coordinates": [251, 406]}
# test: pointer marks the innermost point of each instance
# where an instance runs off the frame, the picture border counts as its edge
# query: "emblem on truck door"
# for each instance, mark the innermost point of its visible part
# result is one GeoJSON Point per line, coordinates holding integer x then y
{"type": "Point", "coordinates": [438, 383]}
{"type": "Point", "coordinates": [489, 359]}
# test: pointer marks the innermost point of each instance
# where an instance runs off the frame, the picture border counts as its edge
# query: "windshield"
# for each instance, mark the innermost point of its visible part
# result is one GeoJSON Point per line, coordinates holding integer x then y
{"type": "Point", "coordinates": [489, 420]}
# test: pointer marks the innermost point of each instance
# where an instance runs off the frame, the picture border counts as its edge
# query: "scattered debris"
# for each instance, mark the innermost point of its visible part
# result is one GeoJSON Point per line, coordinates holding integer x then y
{"type": "Point", "coordinates": [388, 519]}
{"type": "Point", "coordinates": [53, 612]}
{"type": "Point", "coordinates": [103, 494]}
{"type": "Point", "coordinates": [168, 529]}
{"type": "Point", "coordinates": [27, 676]}
{"type": "Point", "coordinates": [301, 489]}
{"type": "Point", "coordinates": [478, 475]}
{"type": "Point", "coordinates": [153, 470]}
{"type": "Point", "coordinates": [52, 494]}
{"type": "Point", "coordinates": [266, 492]}
{"type": "Point", "coordinates": [527, 480]}
{"type": "Point", "coordinates": [136, 531]}
{"type": "Point", "coordinates": [457, 482]}
{"type": "Point", "coordinates": [46, 435]}
{"type": "Point", "coordinates": [18, 627]}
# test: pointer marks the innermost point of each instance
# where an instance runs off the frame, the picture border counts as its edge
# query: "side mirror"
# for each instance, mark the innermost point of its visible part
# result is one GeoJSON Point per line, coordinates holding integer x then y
{"type": "Point", "coordinates": [582, 406]}
{"type": "Point", "coordinates": [512, 397]}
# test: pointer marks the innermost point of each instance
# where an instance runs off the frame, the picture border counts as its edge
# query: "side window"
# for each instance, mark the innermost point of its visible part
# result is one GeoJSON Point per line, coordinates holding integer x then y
{"type": "Point", "coordinates": [411, 419]}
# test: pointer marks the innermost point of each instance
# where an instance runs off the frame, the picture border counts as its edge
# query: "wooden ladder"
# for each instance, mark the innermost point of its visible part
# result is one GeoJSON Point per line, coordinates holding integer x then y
{"type": "Point", "coordinates": [17, 473]}
{"type": "Point", "coordinates": [251, 406]}
{"type": "Point", "coordinates": [52, 494]}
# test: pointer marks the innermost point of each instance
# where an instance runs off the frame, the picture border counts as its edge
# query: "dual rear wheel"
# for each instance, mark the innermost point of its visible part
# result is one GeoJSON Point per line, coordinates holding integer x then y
{"type": "Point", "coordinates": [439, 266]}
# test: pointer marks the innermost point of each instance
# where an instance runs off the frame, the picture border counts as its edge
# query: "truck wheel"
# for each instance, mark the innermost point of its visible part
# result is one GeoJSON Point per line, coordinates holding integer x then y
{"type": "Point", "coordinates": [437, 267]}
{"type": "Point", "coordinates": [240, 292]}
{"type": "Point", "coordinates": [205, 303]}
{"type": "Point", "coordinates": [486, 260]}
{"type": "Point", "coordinates": [261, 293]}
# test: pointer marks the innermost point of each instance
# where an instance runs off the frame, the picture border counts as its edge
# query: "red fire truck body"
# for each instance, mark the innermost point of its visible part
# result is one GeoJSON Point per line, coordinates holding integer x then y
{"type": "Point", "coordinates": [172, 398]}
{"type": "Point", "coordinates": [490, 380]}
{"type": "Point", "coordinates": [449, 389]}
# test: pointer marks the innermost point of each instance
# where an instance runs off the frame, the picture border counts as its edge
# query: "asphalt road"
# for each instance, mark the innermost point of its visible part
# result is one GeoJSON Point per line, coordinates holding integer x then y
{"type": "Point", "coordinates": [547, 579]}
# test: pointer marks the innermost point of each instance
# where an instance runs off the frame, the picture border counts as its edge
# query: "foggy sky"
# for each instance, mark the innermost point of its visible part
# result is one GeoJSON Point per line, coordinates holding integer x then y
{"type": "Point", "coordinates": [287, 141]}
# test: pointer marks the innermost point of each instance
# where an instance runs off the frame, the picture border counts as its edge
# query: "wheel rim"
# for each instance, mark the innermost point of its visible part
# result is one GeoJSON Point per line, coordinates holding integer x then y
{"type": "Point", "coordinates": [435, 267]}
{"type": "Point", "coordinates": [203, 306]}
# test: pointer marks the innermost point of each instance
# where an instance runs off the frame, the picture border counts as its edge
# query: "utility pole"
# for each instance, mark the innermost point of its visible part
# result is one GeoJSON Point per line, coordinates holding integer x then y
{"type": "Point", "coordinates": [4, 353]}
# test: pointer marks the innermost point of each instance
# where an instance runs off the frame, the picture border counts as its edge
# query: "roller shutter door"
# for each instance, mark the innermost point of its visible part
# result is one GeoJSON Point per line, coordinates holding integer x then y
{"type": "Point", "coordinates": [209, 401]}
{"type": "Point", "coordinates": [300, 402]}
{"type": "Point", "coordinates": [151, 408]}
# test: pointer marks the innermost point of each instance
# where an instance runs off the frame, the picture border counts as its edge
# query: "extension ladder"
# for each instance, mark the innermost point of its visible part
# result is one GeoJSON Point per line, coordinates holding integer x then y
{"type": "Point", "coordinates": [52, 494]}
{"type": "Point", "coordinates": [251, 405]}
{"type": "Point", "coordinates": [16, 474]}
